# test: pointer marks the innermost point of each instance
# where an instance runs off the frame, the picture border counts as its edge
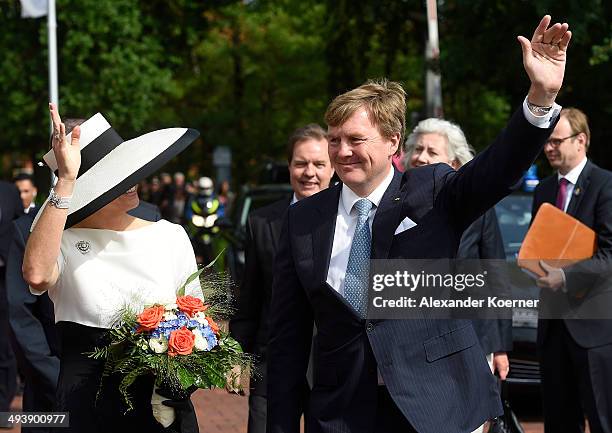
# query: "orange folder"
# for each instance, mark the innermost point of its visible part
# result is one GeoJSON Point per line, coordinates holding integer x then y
{"type": "Point", "coordinates": [556, 238]}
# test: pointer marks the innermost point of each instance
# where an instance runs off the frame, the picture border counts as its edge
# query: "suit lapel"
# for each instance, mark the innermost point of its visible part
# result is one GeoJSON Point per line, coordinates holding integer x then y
{"type": "Point", "coordinates": [386, 219]}
{"type": "Point", "coordinates": [580, 189]}
{"type": "Point", "coordinates": [275, 224]}
{"type": "Point", "coordinates": [323, 234]}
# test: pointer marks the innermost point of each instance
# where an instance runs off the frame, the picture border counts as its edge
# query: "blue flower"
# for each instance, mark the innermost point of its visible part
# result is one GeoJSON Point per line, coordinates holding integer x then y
{"type": "Point", "coordinates": [182, 320]}
{"type": "Point", "coordinates": [212, 340]}
{"type": "Point", "coordinates": [207, 331]}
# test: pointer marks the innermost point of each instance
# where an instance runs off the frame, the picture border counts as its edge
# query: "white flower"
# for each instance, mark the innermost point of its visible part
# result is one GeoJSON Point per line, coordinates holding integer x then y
{"type": "Point", "coordinates": [171, 306]}
{"type": "Point", "coordinates": [200, 343]}
{"type": "Point", "coordinates": [158, 345]}
{"type": "Point", "coordinates": [144, 346]}
{"type": "Point", "coordinates": [169, 315]}
{"type": "Point", "coordinates": [200, 317]}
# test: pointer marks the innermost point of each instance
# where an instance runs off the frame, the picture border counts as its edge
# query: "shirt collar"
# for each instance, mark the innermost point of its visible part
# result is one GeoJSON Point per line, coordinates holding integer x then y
{"type": "Point", "coordinates": [294, 199]}
{"type": "Point", "coordinates": [574, 173]}
{"type": "Point", "coordinates": [348, 197]}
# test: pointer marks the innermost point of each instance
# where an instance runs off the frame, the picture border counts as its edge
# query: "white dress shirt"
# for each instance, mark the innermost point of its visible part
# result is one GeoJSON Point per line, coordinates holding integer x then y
{"type": "Point", "coordinates": [572, 177]}
{"type": "Point", "coordinates": [346, 222]}
{"type": "Point", "coordinates": [543, 121]}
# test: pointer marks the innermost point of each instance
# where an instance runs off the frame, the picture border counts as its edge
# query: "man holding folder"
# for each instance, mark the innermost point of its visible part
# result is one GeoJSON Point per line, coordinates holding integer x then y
{"type": "Point", "coordinates": [576, 355]}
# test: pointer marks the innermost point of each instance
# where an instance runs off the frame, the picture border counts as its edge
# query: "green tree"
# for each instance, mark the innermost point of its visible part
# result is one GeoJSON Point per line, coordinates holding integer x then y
{"type": "Point", "coordinates": [246, 73]}
{"type": "Point", "coordinates": [482, 71]}
{"type": "Point", "coordinates": [107, 63]}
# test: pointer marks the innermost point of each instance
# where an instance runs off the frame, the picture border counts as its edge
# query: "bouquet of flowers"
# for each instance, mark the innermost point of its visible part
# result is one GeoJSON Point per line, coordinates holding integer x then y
{"type": "Point", "coordinates": [179, 343]}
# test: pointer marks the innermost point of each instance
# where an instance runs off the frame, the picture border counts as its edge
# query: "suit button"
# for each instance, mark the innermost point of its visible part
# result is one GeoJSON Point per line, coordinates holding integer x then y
{"type": "Point", "coordinates": [370, 327]}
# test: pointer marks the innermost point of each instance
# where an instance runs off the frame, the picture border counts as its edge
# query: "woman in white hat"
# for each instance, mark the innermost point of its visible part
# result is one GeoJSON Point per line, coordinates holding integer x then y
{"type": "Point", "coordinates": [94, 259]}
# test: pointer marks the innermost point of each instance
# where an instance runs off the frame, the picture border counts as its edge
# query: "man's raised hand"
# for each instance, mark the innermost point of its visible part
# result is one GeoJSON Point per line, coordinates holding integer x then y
{"type": "Point", "coordinates": [544, 59]}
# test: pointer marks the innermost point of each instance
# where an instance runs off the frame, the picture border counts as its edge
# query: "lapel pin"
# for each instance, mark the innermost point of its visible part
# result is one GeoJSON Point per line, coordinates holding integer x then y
{"type": "Point", "coordinates": [396, 199]}
{"type": "Point", "coordinates": [577, 191]}
{"type": "Point", "coordinates": [83, 246]}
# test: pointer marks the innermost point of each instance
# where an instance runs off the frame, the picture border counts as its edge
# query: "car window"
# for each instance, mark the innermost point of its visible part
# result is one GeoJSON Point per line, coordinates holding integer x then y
{"type": "Point", "coordinates": [514, 216]}
{"type": "Point", "coordinates": [255, 201]}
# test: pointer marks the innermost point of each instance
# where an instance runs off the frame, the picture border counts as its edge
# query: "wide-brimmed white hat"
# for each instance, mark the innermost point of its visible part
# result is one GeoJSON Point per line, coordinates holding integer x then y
{"type": "Point", "coordinates": [110, 166]}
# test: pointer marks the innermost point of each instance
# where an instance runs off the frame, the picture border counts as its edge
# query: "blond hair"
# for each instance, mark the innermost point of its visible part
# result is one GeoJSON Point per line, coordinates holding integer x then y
{"type": "Point", "coordinates": [383, 100]}
{"type": "Point", "coordinates": [578, 121]}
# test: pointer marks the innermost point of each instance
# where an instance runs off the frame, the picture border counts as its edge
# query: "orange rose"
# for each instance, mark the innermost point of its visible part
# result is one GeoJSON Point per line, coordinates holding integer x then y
{"type": "Point", "coordinates": [190, 305]}
{"type": "Point", "coordinates": [212, 325]}
{"type": "Point", "coordinates": [150, 318]}
{"type": "Point", "coordinates": [181, 342]}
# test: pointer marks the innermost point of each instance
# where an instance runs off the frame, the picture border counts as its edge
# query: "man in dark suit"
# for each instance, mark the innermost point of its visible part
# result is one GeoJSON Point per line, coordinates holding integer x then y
{"type": "Point", "coordinates": [576, 355]}
{"type": "Point", "coordinates": [32, 322]}
{"type": "Point", "coordinates": [10, 208]}
{"type": "Point", "coordinates": [309, 172]}
{"type": "Point", "coordinates": [27, 190]}
{"type": "Point", "coordinates": [381, 376]}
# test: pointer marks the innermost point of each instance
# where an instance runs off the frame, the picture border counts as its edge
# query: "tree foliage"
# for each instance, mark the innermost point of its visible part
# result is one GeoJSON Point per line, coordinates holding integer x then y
{"type": "Point", "coordinates": [246, 73]}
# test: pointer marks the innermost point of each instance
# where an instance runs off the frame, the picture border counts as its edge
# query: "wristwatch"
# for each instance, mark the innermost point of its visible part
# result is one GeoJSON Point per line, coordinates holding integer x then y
{"type": "Point", "coordinates": [538, 110]}
{"type": "Point", "coordinates": [57, 201]}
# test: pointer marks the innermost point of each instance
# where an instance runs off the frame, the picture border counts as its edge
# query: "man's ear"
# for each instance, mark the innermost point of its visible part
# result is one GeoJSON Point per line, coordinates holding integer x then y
{"type": "Point", "coordinates": [582, 139]}
{"type": "Point", "coordinates": [395, 143]}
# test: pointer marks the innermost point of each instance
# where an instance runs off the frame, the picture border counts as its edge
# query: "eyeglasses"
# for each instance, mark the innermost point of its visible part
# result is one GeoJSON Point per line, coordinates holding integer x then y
{"type": "Point", "coordinates": [557, 141]}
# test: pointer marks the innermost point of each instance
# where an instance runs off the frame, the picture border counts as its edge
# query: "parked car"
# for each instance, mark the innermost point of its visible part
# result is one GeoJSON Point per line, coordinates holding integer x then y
{"type": "Point", "coordinates": [514, 216]}
{"type": "Point", "coordinates": [234, 228]}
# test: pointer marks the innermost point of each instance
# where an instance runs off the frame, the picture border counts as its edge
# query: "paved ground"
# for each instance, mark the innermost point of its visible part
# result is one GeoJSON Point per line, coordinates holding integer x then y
{"type": "Point", "coordinates": [220, 412]}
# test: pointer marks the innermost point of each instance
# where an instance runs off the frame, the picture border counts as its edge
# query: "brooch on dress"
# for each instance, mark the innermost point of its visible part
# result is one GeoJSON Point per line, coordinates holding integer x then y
{"type": "Point", "coordinates": [83, 246]}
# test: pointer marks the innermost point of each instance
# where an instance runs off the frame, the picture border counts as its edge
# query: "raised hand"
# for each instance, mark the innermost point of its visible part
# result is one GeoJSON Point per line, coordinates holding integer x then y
{"type": "Point", "coordinates": [544, 60]}
{"type": "Point", "coordinates": [67, 155]}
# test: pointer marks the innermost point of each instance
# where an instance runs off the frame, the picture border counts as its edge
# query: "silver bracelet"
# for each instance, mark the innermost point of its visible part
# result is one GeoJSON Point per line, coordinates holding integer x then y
{"type": "Point", "coordinates": [538, 110]}
{"type": "Point", "coordinates": [57, 201]}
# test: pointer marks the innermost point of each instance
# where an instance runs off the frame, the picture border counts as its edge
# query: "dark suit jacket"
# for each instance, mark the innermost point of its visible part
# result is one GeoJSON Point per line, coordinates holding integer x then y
{"type": "Point", "coordinates": [33, 324]}
{"type": "Point", "coordinates": [587, 281]}
{"type": "Point", "coordinates": [435, 370]}
{"type": "Point", "coordinates": [11, 207]}
{"type": "Point", "coordinates": [249, 326]}
{"type": "Point", "coordinates": [483, 240]}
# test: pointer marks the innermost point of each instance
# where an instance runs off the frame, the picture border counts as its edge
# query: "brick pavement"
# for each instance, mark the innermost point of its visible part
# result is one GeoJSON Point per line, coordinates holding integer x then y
{"type": "Point", "coordinates": [220, 412]}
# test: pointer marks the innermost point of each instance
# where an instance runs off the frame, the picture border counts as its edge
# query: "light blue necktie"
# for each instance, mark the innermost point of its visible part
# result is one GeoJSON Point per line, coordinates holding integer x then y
{"type": "Point", "coordinates": [356, 279]}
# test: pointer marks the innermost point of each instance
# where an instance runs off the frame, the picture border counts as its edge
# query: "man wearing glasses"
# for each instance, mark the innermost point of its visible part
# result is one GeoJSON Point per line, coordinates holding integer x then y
{"type": "Point", "coordinates": [576, 355]}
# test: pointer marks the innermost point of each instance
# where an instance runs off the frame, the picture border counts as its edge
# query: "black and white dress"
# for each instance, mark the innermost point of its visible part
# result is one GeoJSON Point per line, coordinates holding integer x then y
{"type": "Point", "coordinates": [102, 272]}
